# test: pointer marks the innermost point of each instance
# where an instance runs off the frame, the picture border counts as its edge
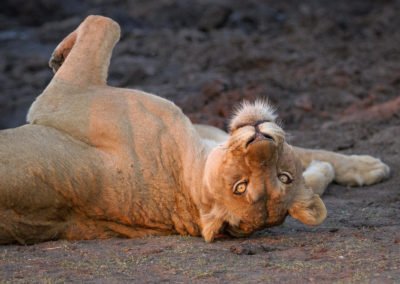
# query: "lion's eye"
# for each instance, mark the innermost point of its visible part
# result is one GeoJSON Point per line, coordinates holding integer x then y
{"type": "Point", "coordinates": [285, 178]}
{"type": "Point", "coordinates": [240, 187]}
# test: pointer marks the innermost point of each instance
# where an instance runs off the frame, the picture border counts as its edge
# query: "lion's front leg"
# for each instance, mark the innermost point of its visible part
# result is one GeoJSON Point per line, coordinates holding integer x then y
{"type": "Point", "coordinates": [358, 170]}
{"type": "Point", "coordinates": [351, 170]}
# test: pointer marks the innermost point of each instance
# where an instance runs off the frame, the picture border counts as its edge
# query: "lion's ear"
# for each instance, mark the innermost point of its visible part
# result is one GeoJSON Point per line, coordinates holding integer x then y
{"type": "Point", "coordinates": [311, 211]}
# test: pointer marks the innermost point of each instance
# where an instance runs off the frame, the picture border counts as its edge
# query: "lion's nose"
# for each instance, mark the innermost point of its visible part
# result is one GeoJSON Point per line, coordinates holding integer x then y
{"type": "Point", "coordinates": [261, 134]}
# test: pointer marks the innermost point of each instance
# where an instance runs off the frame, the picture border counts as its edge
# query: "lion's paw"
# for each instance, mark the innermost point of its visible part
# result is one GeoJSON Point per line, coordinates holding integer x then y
{"type": "Point", "coordinates": [56, 60]}
{"type": "Point", "coordinates": [357, 170]}
{"type": "Point", "coordinates": [62, 51]}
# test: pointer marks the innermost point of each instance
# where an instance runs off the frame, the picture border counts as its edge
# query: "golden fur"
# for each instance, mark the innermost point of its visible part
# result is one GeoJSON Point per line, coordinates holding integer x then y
{"type": "Point", "coordinates": [97, 161]}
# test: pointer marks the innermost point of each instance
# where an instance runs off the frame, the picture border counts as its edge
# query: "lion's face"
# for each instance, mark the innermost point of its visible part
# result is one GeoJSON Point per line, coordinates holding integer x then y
{"type": "Point", "coordinates": [256, 180]}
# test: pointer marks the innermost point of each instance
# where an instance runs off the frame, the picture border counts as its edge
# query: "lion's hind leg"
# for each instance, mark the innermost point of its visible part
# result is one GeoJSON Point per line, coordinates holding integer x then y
{"type": "Point", "coordinates": [83, 57]}
{"type": "Point", "coordinates": [318, 176]}
{"type": "Point", "coordinates": [47, 180]}
{"type": "Point", "coordinates": [28, 228]}
{"type": "Point", "coordinates": [61, 52]}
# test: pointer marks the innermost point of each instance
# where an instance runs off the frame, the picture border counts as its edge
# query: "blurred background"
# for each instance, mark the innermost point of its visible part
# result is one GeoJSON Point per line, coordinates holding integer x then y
{"type": "Point", "coordinates": [320, 62]}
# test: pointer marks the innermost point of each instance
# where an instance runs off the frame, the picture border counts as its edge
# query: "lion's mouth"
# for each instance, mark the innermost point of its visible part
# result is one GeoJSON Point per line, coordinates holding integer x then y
{"type": "Point", "coordinates": [234, 231]}
{"type": "Point", "coordinates": [259, 136]}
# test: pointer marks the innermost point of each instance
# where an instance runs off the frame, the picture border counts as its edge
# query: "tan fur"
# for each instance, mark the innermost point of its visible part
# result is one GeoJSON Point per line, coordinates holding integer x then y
{"type": "Point", "coordinates": [318, 175]}
{"type": "Point", "coordinates": [97, 161]}
{"type": "Point", "coordinates": [248, 113]}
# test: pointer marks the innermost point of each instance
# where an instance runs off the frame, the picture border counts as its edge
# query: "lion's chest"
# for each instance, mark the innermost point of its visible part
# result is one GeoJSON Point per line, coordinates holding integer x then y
{"type": "Point", "coordinates": [146, 160]}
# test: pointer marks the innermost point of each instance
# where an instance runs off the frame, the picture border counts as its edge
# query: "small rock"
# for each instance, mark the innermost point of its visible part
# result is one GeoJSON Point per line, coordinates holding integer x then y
{"type": "Point", "coordinates": [214, 88]}
{"type": "Point", "coordinates": [304, 102]}
{"type": "Point", "coordinates": [269, 248]}
{"type": "Point", "coordinates": [242, 250]}
{"type": "Point", "coordinates": [214, 17]}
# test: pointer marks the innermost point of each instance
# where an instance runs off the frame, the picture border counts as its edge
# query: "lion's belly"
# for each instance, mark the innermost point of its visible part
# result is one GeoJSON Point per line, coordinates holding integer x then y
{"type": "Point", "coordinates": [141, 185]}
{"type": "Point", "coordinates": [139, 137]}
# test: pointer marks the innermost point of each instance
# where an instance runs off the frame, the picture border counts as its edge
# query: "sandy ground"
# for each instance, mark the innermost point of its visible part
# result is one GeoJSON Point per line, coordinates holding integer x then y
{"type": "Point", "coordinates": [331, 67]}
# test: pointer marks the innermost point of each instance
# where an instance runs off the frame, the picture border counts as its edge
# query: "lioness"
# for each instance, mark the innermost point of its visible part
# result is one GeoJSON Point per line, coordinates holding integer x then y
{"type": "Point", "coordinates": [99, 162]}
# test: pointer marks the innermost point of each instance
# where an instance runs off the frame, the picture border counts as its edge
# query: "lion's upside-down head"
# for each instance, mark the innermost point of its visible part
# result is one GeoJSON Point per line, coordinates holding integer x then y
{"type": "Point", "coordinates": [254, 180]}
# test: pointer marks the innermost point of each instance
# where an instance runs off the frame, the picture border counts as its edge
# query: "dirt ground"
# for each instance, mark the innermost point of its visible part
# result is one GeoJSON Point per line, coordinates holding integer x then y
{"type": "Point", "coordinates": [331, 67]}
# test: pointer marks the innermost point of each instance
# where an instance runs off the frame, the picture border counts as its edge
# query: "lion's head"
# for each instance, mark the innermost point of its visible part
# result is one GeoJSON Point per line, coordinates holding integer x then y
{"type": "Point", "coordinates": [255, 180]}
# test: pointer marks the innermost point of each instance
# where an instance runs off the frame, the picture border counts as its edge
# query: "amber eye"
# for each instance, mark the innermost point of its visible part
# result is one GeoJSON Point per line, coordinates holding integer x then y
{"type": "Point", "coordinates": [240, 187]}
{"type": "Point", "coordinates": [285, 178]}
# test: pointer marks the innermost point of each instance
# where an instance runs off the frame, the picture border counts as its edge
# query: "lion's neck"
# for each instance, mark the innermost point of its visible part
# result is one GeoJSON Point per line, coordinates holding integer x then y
{"type": "Point", "coordinates": [194, 155]}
